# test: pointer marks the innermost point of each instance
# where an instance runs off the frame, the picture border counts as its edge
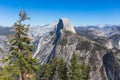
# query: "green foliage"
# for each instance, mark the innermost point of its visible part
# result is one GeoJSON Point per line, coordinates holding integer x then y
{"type": "Point", "coordinates": [57, 69]}
{"type": "Point", "coordinates": [98, 46]}
{"type": "Point", "coordinates": [83, 45]}
{"type": "Point", "coordinates": [74, 69]}
{"type": "Point", "coordinates": [77, 71]}
{"type": "Point", "coordinates": [84, 72]}
{"type": "Point", "coordinates": [63, 42]}
{"type": "Point", "coordinates": [62, 70]}
{"type": "Point", "coordinates": [68, 32]}
{"type": "Point", "coordinates": [45, 72]}
{"type": "Point", "coordinates": [20, 61]}
{"type": "Point", "coordinates": [10, 72]}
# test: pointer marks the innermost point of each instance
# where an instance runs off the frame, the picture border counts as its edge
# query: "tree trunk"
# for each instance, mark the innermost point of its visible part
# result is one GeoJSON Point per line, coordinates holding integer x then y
{"type": "Point", "coordinates": [20, 76]}
{"type": "Point", "coordinates": [56, 76]}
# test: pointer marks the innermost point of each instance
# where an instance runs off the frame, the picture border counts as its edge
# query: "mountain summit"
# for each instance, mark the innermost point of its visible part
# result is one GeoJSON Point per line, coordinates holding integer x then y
{"type": "Point", "coordinates": [66, 25]}
{"type": "Point", "coordinates": [101, 53]}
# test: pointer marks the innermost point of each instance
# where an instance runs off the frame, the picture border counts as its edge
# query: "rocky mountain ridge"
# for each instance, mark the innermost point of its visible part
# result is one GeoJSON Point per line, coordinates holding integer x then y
{"type": "Point", "coordinates": [97, 47]}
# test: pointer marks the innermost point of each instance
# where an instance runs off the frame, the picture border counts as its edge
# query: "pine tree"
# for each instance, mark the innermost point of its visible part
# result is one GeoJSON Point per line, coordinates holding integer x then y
{"type": "Point", "coordinates": [55, 70]}
{"type": "Point", "coordinates": [9, 72]}
{"type": "Point", "coordinates": [59, 69]}
{"type": "Point", "coordinates": [49, 71]}
{"type": "Point", "coordinates": [77, 71]}
{"type": "Point", "coordinates": [54, 66]}
{"type": "Point", "coordinates": [84, 71]}
{"type": "Point", "coordinates": [45, 72]}
{"type": "Point", "coordinates": [21, 65]}
{"type": "Point", "coordinates": [74, 69]}
{"type": "Point", "coordinates": [62, 70]}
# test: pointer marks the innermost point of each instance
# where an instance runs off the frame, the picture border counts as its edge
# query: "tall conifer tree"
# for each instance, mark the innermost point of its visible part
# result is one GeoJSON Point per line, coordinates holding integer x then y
{"type": "Point", "coordinates": [77, 71]}
{"type": "Point", "coordinates": [74, 69]}
{"type": "Point", "coordinates": [20, 64]}
{"type": "Point", "coordinates": [62, 70]}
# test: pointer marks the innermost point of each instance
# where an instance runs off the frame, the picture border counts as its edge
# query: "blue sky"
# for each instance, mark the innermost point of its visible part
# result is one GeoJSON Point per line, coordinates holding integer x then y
{"type": "Point", "coordinates": [79, 12]}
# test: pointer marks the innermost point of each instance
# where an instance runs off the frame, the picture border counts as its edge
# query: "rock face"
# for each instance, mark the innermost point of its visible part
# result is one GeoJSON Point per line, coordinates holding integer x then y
{"type": "Point", "coordinates": [48, 43]}
{"type": "Point", "coordinates": [104, 31]}
{"type": "Point", "coordinates": [63, 42]}
{"type": "Point", "coordinates": [109, 35]}
{"type": "Point", "coordinates": [67, 26]}
{"type": "Point", "coordinates": [86, 50]}
{"type": "Point", "coordinates": [112, 66]}
{"type": "Point", "coordinates": [115, 39]}
{"type": "Point", "coordinates": [97, 48]}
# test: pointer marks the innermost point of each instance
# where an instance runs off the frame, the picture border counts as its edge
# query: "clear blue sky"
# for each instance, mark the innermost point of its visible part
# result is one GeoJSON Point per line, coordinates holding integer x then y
{"type": "Point", "coordinates": [80, 12]}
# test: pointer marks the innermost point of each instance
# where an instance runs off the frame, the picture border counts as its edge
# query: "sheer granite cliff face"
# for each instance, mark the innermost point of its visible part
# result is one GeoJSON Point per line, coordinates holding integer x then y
{"type": "Point", "coordinates": [112, 66]}
{"type": "Point", "coordinates": [46, 49]}
{"type": "Point", "coordinates": [67, 26]}
{"type": "Point", "coordinates": [62, 40]}
{"type": "Point", "coordinates": [87, 51]}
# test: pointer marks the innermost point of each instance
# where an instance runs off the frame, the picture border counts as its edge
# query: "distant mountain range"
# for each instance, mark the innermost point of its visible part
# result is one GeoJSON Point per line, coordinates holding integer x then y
{"type": "Point", "coordinates": [97, 46]}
